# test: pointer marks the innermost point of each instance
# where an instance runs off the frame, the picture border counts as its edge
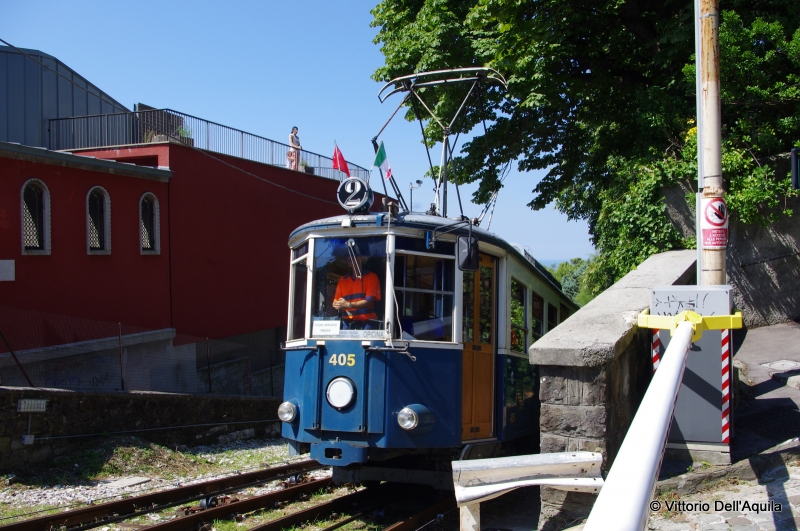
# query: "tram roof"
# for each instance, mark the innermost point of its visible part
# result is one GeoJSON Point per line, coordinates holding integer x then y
{"type": "Point", "coordinates": [421, 221]}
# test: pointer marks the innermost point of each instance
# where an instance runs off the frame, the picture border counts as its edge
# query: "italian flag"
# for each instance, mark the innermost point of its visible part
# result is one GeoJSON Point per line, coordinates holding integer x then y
{"type": "Point", "coordinates": [382, 162]}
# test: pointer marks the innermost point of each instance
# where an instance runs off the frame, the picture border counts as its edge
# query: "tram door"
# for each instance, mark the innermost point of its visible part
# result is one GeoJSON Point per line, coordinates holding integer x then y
{"type": "Point", "coordinates": [478, 368]}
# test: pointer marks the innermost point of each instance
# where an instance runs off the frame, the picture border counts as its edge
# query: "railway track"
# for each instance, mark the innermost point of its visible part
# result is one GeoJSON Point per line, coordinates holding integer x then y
{"type": "Point", "coordinates": [93, 516]}
{"type": "Point", "coordinates": [216, 505]}
{"type": "Point", "coordinates": [361, 503]}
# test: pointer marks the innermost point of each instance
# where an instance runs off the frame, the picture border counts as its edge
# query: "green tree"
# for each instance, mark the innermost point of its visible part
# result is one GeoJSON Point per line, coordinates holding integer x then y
{"type": "Point", "coordinates": [572, 276]}
{"type": "Point", "coordinates": [601, 95]}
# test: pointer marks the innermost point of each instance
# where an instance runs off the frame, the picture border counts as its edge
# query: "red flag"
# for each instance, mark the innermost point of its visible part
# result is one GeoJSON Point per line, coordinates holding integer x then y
{"type": "Point", "coordinates": [338, 160]}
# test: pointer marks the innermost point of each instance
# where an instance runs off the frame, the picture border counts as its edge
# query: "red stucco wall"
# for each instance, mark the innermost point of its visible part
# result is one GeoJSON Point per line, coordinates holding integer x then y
{"type": "Point", "coordinates": [229, 232]}
{"type": "Point", "coordinates": [224, 263]}
{"type": "Point", "coordinates": [123, 286]}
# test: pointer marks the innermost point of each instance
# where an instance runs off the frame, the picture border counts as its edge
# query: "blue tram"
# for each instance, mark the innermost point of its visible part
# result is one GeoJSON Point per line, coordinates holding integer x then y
{"type": "Point", "coordinates": [426, 357]}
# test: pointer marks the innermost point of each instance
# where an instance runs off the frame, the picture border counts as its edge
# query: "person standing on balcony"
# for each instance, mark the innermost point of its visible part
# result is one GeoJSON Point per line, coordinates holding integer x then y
{"type": "Point", "coordinates": [294, 146]}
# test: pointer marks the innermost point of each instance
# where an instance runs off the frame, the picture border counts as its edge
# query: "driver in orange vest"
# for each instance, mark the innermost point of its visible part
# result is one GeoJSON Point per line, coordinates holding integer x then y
{"type": "Point", "coordinates": [356, 297]}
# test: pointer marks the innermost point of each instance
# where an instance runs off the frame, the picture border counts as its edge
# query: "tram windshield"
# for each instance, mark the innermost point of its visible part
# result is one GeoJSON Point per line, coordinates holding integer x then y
{"type": "Point", "coordinates": [348, 282]}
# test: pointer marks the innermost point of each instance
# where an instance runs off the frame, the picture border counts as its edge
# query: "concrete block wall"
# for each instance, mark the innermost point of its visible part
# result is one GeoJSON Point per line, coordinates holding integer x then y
{"type": "Point", "coordinates": [763, 263]}
{"type": "Point", "coordinates": [594, 369]}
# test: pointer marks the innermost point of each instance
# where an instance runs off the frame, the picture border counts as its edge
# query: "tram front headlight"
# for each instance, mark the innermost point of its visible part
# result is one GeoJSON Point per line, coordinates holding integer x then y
{"type": "Point", "coordinates": [341, 392]}
{"type": "Point", "coordinates": [287, 412]}
{"type": "Point", "coordinates": [416, 418]}
{"type": "Point", "coordinates": [408, 418]}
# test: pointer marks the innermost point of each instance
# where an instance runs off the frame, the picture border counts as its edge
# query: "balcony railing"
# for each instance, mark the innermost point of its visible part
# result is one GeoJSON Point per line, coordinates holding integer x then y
{"type": "Point", "coordinates": [161, 125]}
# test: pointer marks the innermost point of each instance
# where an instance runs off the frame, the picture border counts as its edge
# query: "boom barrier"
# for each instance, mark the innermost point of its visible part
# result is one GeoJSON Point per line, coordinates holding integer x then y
{"type": "Point", "coordinates": [624, 501]}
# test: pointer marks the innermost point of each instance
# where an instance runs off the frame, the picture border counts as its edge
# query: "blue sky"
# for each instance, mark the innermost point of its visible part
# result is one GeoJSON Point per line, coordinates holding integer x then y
{"type": "Point", "coordinates": [263, 67]}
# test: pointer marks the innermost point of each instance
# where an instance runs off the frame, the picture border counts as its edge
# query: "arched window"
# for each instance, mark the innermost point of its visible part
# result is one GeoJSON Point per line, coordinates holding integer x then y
{"type": "Point", "coordinates": [35, 218]}
{"type": "Point", "coordinates": [98, 221]}
{"type": "Point", "coordinates": [149, 224]}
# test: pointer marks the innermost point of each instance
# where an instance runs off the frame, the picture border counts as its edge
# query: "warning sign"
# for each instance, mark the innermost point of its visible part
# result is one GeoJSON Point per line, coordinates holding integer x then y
{"type": "Point", "coordinates": [714, 223]}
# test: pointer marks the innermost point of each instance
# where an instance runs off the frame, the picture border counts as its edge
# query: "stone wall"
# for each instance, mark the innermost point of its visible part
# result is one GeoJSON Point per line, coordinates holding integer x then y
{"type": "Point", "coordinates": [594, 369]}
{"type": "Point", "coordinates": [763, 262]}
{"type": "Point", "coordinates": [164, 418]}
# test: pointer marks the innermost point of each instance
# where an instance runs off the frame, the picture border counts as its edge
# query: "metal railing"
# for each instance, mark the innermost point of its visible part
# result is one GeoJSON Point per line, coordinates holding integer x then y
{"type": "Point", "coordinates": [162, 125]}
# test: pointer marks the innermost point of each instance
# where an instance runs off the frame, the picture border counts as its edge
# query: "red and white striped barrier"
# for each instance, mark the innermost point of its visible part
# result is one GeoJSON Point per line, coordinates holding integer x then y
{"type": "Point", "coordinates": [656, 349]}
{"type": "Point", "coordinates": [726, 388]}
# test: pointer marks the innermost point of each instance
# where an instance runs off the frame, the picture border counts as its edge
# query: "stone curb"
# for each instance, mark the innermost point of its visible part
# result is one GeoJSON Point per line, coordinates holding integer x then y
{"type": "Point", "coordinates": [750, 469]}
{"type": "Point", "coordinates": [789, 379]}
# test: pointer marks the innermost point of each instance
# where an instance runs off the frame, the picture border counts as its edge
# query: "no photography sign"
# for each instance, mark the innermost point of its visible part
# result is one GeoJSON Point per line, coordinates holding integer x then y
{"type": "Point", "coordinates": [714, 223]}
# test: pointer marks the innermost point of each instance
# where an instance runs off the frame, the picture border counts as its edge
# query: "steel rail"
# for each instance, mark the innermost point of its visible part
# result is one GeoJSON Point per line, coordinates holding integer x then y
{"type": "Point", "coordinates": [424, 517]}
{"type": "Point", "coordinates": [312, 513]}
{"type": "Point", "coordinates": [624, 501]}
{"type": "Point", "coordinates": [194, 521]}
{"type": "Point", "coordinates": [127, 508]}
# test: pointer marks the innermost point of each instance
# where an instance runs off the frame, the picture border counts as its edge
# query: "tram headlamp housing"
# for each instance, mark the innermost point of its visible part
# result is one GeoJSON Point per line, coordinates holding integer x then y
{"type": "Point", "coordinates": [341, 392]}
{"type": "Point", "coordinates": [416, 418]}
{"type": "Point", "coordinates": [287, 412]}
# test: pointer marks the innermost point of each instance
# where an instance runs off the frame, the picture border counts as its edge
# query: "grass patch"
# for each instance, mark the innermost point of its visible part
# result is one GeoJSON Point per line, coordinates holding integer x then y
{"type": "Point", "coordinates": [132, 456]}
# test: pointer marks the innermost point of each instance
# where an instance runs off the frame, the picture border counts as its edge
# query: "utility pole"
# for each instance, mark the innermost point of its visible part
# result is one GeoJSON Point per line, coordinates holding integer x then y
{"type": "Point", "coordinates": [713, 213]}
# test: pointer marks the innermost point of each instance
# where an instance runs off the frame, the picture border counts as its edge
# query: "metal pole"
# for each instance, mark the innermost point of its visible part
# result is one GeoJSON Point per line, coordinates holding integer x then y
{"type": "Point", "coordinates": [446, 149]}
{"type": "Point", "coordinates": [16, 360]}
{"type": "Point", "coordinates": [699, 128]}
{"type": "Point", "coordinates": [208, 364]}
{"type": "Point", "coordinates": [711, 135]}
{"type": "Point", "coordinates": [631, 481]}
{"type": "Point", "coordinates": [121, 373]}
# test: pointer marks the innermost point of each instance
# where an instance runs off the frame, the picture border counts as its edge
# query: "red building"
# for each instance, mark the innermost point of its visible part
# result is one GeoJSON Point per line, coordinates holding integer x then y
{"type": "Point", "coordinates": [157, 236]}
{"type": "Point", "coordinates": [124, 246]}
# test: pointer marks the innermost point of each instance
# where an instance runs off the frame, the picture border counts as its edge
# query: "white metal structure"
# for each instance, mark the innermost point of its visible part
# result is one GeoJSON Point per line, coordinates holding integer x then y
{"type": "Point", "coordinates": [624, 501]}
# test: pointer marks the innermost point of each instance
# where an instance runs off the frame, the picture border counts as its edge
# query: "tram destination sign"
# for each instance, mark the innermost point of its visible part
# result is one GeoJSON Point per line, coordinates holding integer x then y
{"type": "Point", "coordinates": [355, 195]}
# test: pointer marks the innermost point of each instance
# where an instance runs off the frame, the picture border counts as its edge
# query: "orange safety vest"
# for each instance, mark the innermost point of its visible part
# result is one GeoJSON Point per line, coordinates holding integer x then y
{"type": "Point", "coordinates": [351, 289]}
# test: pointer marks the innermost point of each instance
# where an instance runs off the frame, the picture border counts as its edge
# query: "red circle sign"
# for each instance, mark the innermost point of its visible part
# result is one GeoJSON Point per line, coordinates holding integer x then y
{"type": "Point", "coordinates": [716, 212]}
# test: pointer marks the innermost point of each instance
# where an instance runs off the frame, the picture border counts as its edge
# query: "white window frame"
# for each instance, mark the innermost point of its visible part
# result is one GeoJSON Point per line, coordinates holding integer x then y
{"type": "Point", "coordinates": [106, 222]}
{"type": "Point", "coordinates": [45, 218]}
{"type": "Point", "coordinates": [156, 250]}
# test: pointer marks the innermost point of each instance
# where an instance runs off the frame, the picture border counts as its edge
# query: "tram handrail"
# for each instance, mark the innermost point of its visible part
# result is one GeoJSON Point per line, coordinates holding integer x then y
{"type": "Point", "coordinates": [624, 501]}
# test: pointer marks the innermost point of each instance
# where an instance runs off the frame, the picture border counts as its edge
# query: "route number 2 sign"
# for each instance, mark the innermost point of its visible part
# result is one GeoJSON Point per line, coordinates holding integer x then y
{"type": "Point", "coordinates": [714, 223]}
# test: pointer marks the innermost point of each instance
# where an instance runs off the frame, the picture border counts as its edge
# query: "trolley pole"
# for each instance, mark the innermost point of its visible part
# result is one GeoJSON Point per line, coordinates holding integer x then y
{"type": "Point", "coordinates": [713, 213]}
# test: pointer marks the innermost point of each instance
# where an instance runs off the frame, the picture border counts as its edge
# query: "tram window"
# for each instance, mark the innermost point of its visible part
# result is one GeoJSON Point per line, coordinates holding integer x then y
{"type": "Point", "coordinates": [564, 313]}
{"type": "Point", "coordinates": [552, 316]}
{"type": "Point", "coordinates": [402, 243]}
{"type": "Point", "coordinates": [300, 251]}
{"type": "Point", "coordinates": [424, 291]}
{"type": "Point", "coordinates": [519, 329]}
{"type": "Point", "coordinates": [487, 307]}
{"type": "Point", "coordinates": [537, 315]}
{"type": "Point", "coordinates": [348, 280]}
{"type": "Point", "coordinates": [297, 328]}
{"type": "Point", "coordinates": [468, 309]}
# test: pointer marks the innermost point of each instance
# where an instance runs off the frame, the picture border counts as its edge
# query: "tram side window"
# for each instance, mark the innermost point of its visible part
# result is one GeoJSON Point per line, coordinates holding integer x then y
{"type": "Point", "coordinates": [537, 316]}
{"type": "Point", "coordinates": [424, 291]}
{"type": "Point", "coordinates": [297, 326]}
{"type": "Point", "coordinates": [552, 316]}
{"type": "Point", "coordinates": [519, 329]}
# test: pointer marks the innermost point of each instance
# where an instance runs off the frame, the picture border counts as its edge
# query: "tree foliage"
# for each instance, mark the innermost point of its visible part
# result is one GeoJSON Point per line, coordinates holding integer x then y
{"type": "Point", "coordinates": [572, 276]}
{"type": "Point", "coordinates": [601, 95]}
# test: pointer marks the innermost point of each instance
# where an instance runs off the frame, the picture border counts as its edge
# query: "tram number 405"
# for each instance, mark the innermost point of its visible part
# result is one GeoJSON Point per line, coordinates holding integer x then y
{"type": "Point", "coordinates": [342, 359]}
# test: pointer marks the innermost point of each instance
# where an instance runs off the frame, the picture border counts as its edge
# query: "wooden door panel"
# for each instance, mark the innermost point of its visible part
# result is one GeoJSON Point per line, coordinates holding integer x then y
{"type": "Point", "coordinates": [466, 390]}
{"type": "Point", "coordinates": [478, 369]}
